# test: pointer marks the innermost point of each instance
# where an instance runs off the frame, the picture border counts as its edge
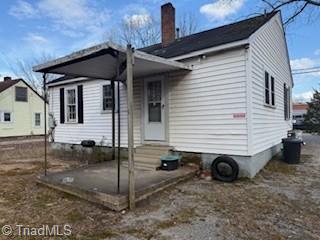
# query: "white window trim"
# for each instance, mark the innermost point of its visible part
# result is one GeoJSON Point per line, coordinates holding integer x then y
{"type": "Point", "coordinates": [66, 105]}
{"type": "Point", "coordinates": [101, 97]}
{"type": "Point", "coordinates": [269, 105]}
{"type": "Point", "coordinates": [34, 120]}
{"type": "Point", "coordinates": [2, 117]}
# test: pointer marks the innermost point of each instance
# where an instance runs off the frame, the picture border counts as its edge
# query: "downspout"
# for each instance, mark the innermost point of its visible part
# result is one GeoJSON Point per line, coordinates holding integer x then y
{"type": "Point", "coordinates": [248, 53]}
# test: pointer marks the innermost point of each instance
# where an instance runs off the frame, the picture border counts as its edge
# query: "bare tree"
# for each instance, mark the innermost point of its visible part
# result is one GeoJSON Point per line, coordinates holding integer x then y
{"type": "Point", "coordinates": [142, 32]}
{"type": "Point", "coordinates": [138, 32]}
{"type": "Point", "coordinates": [188, 24]}
{"type": "Point", "coordinates": [22, 68]}
{"type": "Point", "coordinates": [294, 7]}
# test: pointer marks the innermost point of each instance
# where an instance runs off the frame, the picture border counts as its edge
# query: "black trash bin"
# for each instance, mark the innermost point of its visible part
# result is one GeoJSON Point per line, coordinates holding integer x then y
{"type": "Point", "coordinates": [291, 150]}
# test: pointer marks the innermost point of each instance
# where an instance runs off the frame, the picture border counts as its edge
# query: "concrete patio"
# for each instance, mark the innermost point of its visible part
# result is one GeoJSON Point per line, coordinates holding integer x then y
{"type": "Point", "coordinates": [97, 183]}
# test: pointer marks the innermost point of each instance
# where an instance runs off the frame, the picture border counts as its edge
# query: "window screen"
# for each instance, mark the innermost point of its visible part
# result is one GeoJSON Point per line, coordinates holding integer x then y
{"type": "Point", "coordinates": [106, 97]}
{"type": "Point", "coordinates": [71, 105]}
{"type": "Point", "coordinates": [7, 117]}
{"type": "Point", "coordinates": [267, 88]}
{"type": "Point", "coordinates": [21, 94]}
{"type": "Point", "coordinates": [272, 92]}
{"type": "Point", "coordinates": [37, 119]}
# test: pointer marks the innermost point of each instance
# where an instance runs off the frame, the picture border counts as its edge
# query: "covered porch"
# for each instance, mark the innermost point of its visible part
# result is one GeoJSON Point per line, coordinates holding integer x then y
{"type": "Point", "coordinates": [116, 64]}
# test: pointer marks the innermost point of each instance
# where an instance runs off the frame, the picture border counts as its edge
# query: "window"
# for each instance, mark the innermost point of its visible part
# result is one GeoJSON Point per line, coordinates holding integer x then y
{"type": "Point", "coordinates": [106, 97]}
{"type": "Point", "coordinates": [71, 105]}
{"type": "Point", "coordinates": [267, 89]}
{"type": "Point", "coordinates": [269, 92]}
{"type": "Point", "coordinates": [287, 102]}
{"type": "Point", "coordinates": [37, 119]}
{"type": "Point", "coordinates": [7, 117]}
{"type": "Point", "coordinates": [272, 92]}
{"type": "Point", "coordinates": [154, 101]}
{"type": "Point", "coordinates": [21, 94]}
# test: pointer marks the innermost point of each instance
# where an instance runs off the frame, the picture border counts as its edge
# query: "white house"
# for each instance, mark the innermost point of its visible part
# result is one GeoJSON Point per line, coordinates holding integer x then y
{"type": "Point", "coordinates": [235, 100]}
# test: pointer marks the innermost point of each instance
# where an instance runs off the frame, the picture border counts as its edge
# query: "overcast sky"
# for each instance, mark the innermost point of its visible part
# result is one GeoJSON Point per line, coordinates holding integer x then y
{"type": "Point", "coordinates": [56, 27]}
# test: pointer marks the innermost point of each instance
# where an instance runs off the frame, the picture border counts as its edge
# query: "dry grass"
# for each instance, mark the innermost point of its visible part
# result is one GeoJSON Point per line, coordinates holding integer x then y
{"type": "Point", "coordinates": [282, 202]}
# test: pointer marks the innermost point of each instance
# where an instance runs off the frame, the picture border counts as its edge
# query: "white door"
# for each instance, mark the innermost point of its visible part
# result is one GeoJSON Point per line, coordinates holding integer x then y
{"type": "Point", "coordinates": [154, 110]}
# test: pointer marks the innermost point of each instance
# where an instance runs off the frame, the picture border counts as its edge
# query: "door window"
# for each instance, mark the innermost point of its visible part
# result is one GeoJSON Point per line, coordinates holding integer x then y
{"type": "Point", "coordinates": [154, 101]}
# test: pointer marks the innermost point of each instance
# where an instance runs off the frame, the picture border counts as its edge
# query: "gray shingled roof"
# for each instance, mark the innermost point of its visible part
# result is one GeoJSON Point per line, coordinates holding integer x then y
{"type": "Point", "coordinates": [214, 37]}
{"type": "Point", "coordinates": [210, 38]}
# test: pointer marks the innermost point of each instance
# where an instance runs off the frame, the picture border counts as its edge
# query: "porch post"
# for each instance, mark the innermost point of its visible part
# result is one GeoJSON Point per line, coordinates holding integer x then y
{"type": "Point", "coordinates": [131, 182]}
{"type": "Point", "coordinates": [45, 121]}
{"type": "Point", "coordinates": [113, 121]}
{"type": "Point", "coordinates": [119, 133]}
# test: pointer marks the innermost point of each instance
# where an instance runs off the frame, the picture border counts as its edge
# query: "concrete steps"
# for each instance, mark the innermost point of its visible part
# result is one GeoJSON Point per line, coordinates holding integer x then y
{"type": "Point", "coordinates": [147, 157]}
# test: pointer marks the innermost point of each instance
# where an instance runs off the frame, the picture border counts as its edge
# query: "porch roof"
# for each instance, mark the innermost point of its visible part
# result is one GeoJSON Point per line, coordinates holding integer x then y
{"type": "Point", "coordinates": [104, 60]}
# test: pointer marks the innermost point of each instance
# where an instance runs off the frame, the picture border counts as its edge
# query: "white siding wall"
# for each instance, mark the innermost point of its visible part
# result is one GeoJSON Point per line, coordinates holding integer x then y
{"type": "Point", "coordinates": [202, 104]}
{"type": "Point", "coordinates": [97, 126]}
{"type": "Point", "coordinates": [268, 53]}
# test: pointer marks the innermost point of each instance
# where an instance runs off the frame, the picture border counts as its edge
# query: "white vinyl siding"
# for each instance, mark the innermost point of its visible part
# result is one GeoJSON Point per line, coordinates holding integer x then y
{"type": "Point", "coordinates": [268, 52]}
{"type": "Point", "coordinates": [97, 126]}
{"type": "Point", "coordinates": [202, 105]}
{"type": "Point", "coordinates": [219, 107]}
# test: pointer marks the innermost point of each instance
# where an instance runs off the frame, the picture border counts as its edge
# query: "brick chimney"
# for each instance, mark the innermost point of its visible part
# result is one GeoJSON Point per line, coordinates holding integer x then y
{"type": "Point", "coordinates": [7, 79]}
{"type": "Point", "coordinates": [167, 24]}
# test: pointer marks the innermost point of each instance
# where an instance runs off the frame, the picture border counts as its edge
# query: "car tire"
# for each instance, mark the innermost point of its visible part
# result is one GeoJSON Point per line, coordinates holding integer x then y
{"type": "Point", "coordinates": [225, 169]}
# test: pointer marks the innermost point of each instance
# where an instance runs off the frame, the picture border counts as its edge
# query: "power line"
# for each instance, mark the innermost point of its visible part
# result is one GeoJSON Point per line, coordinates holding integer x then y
{"type": "Point", "coordinates": [304, 69]}
{"type": "Point", "coordinates": [306, 72]}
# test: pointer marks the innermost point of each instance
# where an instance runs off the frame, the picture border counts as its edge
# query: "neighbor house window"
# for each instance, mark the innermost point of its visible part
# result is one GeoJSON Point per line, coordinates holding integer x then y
{"type": "Point", "coordinates": [37, 119]}
{"type": "Point", "coordinates": [106, 97]}
{"type": "Point", "coordinates": [286, 101]}
{"type": "Point", "coordinates": [269, 92]}
{"type": "Point", "coordinates": [21, 94]}
{"type": "Point", "coordinates": [71, 105]}
{"type": "Point", "coordinates": [7, 117]}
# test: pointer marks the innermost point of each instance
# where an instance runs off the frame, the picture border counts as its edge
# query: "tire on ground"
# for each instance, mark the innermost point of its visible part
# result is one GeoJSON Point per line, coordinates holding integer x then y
{"type": "Point", "coordinates": [224, 169]}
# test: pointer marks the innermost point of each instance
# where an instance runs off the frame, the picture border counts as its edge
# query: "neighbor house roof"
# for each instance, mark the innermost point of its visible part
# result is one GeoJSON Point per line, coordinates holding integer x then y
{"type": "Point", "coordinates": [211, 38]}
{"type": "Point", "coordinates": [300, 106]}
{"type": "Point", "coordinates": [6, 84]}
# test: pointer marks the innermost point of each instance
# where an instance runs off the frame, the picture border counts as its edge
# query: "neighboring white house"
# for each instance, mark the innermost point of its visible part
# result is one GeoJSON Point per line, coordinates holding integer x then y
{"type": "Point", "coordinates": [236, 101]}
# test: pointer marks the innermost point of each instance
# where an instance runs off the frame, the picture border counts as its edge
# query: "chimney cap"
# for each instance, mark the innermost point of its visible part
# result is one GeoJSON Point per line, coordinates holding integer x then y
{"type": "Point", "coordinates": [7, 78]}
{"type": "Point", "coordinates": [167, 4]}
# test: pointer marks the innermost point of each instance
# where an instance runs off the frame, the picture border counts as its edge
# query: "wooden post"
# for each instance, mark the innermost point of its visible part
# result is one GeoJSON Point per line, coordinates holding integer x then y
{"type": "Point", "coordinates": [119, 126]}
{"type": "Point", "coordinates": [45, 122]}
{"type": "Point", "coordinates": [131, 182]}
